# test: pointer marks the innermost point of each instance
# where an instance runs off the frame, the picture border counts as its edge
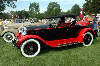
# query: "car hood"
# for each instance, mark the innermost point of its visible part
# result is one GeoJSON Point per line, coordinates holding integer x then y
{"type": "Point", "coordinates": [37, 27]}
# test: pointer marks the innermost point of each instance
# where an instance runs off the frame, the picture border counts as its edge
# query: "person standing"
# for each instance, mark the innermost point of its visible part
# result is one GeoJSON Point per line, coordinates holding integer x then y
{"type": "Point", "coordinates": [95, 25]}
{"type": "Point", "coordinates": [17, 21]}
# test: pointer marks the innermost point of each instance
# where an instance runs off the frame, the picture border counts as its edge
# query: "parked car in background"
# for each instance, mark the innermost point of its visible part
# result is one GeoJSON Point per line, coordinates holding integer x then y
{"type": "Point", "coordinates": [12, 29]}
{"type": "Point", "coordinates": [31, 38]}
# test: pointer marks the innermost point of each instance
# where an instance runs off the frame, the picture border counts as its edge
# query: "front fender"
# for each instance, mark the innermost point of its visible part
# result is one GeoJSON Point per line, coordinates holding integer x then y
{"type": "Point", "coordinates": [83, 31]}
{"type": "Point", "coordinates": [25, 37]}
{"type": "Point", "coordinates": [15, 31]}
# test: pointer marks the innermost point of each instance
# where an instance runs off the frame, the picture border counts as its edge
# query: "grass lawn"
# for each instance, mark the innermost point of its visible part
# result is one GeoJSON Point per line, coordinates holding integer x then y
{"type": "Point", "coordinates": [75, 55]}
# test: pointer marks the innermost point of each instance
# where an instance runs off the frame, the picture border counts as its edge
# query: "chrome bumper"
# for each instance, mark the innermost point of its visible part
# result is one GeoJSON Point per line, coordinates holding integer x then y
{"type": "Point", "coordinates": [14, 43]}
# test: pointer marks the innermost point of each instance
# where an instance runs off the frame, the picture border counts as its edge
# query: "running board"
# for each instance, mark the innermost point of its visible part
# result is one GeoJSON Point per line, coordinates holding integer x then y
{"type": "Point", "coordinates": [65, 44]}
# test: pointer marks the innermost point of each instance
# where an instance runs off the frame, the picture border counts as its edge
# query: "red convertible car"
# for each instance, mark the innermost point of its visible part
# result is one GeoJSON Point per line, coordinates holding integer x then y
{"type": "Point", "coordinates": [31, 38]}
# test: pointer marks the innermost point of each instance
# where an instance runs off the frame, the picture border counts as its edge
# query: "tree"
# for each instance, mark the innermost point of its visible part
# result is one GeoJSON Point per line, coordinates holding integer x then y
{"type": "Point", "coordinates": [34, 9]}
{"type": "Point", "coordinates": [40, 16]}
{"type": "Point", "coordinates": [5, 16]}
{"type": "Point", "coordinates": [95, 6]}
{"type": "Point", "coordinates": [86, 7]}
{"type": "Point", "coordinates": [27, 14]}
{"type": "Point", "coordinates": [91, 6]}
{"type": "Point", "coordinates": [62, 13]}
{"type": "Point", "coordinates": [53, 9]}
{"type": "Point", "coordinates": [4, 3]}
{"type": "Point", "coordinates": [45, 14]}
{"type": "Point", "coordinates": [69, 12]}
{"type": "Point", "coordinates": [22, 14]}
{"type": "Point", "coordinates": [76, 9]}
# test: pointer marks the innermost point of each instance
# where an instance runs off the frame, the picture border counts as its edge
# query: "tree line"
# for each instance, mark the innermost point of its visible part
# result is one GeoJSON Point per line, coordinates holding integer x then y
{"type": "Point", "coordinates": [53, 9]}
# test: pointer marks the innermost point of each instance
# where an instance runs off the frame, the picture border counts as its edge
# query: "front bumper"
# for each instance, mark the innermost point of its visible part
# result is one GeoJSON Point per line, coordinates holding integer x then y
{"type": "Point", "coordinates": [14, 45]}
{"type": "Point", "coordinates": [14, 42]}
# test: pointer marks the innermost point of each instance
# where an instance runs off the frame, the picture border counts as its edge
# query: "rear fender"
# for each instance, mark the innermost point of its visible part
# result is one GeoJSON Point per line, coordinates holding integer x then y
{"type": "Point", "coordinates": [83, 31]}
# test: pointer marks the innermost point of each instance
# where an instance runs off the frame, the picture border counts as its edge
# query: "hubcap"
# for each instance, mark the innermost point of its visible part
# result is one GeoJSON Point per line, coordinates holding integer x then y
{"type": "Point", "coordinates": [9, 37]}
{"type": "Point", "coordinates": [30, 48]}
{"type": "Point", "coordinates": [87, 39]}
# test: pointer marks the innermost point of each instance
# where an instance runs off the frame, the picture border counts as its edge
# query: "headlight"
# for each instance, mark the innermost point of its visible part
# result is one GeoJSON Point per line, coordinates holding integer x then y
{"type": "Point", "coordinates": [20, 31]}
{"type": "Point", "coordinates": [17, 40]}
{"type": "Point", "coordinates": [23, 31]}
{"type": "Point", "coordinates": [5, 27]}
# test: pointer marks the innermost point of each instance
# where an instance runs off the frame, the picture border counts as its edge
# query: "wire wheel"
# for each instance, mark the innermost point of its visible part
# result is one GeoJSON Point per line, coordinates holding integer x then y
{"type": "Point", "coordinates": [30, 48]}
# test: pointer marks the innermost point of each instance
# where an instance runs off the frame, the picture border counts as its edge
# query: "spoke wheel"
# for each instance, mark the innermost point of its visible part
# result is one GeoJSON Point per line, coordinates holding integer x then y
{"type": "Point", "coordinates": [87, 39]}
{"type": "Point", "coordinates": [8, 37]}
{"type": "Point", "coordinates": [30, 48]}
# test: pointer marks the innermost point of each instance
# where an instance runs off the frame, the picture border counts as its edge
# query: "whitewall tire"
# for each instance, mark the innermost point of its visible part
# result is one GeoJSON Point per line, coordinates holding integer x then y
{"type": "Point", "coordinates": [87, 39]}
{"type": "Point", "coordinates": [8, 37]}
{"type": "Point", "coordinates": [30, 48]}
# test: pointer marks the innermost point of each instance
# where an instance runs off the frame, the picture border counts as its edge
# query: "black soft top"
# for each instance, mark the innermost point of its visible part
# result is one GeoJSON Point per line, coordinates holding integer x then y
{"type": "Point", "coordinates": [61, 16]}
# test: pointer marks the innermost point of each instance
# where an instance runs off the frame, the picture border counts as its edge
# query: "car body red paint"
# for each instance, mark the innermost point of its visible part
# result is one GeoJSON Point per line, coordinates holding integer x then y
{"type": "Point", "coordinates": [83, 23]}
{"type": "Point", "coordinates": [54, 43]}
{"type": "Point", "coordinates": [55, 36]}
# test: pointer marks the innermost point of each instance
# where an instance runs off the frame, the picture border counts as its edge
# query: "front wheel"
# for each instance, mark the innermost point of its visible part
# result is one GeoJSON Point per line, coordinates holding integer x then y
{"type": "Point", "coordinates": [87, 39]}
{"type": "Point", "coordinates": [30, 48]}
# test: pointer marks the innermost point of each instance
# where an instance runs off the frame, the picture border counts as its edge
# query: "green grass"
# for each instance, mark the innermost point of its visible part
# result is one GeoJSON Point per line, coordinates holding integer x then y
{"type": "Point", "coordinates": [74, 55]}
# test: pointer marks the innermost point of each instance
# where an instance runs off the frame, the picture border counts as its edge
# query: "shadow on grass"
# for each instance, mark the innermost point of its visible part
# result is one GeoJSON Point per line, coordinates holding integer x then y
{"type": "Point", "coordinates": [47, 49]}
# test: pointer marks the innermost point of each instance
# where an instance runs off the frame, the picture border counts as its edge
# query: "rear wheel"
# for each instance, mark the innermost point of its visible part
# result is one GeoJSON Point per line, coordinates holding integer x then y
{"type": "Point", "coordinates": [87, 39]}
{"type": "Point", "coordinates": [8, 37]}
{"type": "Point", "coordinates": [30, 48]}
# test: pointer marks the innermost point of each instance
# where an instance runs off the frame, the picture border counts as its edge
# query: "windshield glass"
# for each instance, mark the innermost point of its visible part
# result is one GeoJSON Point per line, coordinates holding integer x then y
{"type": "Point", "coordinates": [53, 20]}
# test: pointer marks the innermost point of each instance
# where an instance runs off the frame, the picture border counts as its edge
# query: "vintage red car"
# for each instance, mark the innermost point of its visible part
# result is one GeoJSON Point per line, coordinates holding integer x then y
{"type": "Point", "coordinates": [31, 38]}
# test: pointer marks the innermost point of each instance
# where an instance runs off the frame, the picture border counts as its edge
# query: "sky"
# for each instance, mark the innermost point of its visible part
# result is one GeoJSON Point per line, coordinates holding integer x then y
{"type": "Point", "coordinates": [43, 4]}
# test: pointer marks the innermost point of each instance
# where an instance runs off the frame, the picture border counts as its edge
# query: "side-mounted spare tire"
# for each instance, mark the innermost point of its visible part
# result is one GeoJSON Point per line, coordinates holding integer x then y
{"type": "Point", "coordinates": [30, 48]}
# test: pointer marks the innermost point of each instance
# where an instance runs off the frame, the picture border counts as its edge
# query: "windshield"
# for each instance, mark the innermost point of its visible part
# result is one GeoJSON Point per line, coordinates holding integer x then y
{"type": "Point", "coordinates": [53, 20]}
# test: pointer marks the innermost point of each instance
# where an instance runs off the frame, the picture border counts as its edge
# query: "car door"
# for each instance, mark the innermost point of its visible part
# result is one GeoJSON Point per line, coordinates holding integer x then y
{"type": "Point", "coordinates": [54, 33]}
{"type": "Point", "coordinates": [58, 33]}
{"type": "Point", "coordinates": [71, 31]}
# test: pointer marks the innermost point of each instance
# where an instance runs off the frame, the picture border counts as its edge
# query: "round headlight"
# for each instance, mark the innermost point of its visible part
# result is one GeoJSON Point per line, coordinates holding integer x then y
{"type": "Point", "coordinates": [17, 40]}
{"type": "Point", "coordinates": [19, 31]}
